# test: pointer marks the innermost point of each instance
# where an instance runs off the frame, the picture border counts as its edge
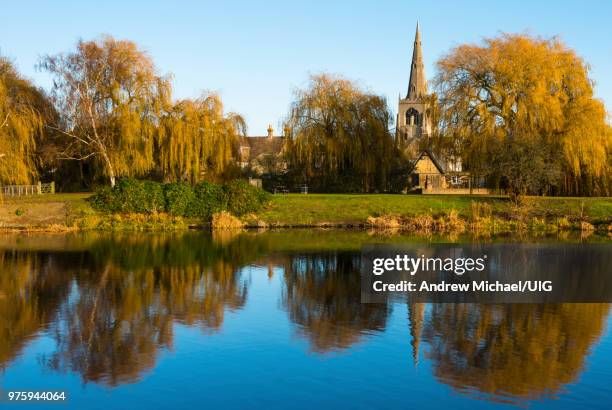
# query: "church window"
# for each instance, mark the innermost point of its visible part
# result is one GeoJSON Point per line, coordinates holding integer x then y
{"type": "Point", "coordinates": [413, 117]}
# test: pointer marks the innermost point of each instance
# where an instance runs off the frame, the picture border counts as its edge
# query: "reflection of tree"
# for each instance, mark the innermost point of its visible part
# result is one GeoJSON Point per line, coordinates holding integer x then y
{"type": "Point", "coordinates": [123, 311]}
{"type": "Point", "coordinates": [196, 296]}
{"type": "Point", "coordinates": [523, 351]}
{"type": "Point", "coordinates": [31, 288]}
{"type": "Point", "coordinates": [323, 295]}
{"type": "Point", "coordinates": [112, 308]}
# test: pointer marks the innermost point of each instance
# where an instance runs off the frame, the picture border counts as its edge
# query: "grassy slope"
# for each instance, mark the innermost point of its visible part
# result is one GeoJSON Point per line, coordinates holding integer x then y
{"type": "Point", "coordinates": [319, 209]}
{"type": "Point", "coordinates": [315, 209]}
{"type": "Point", "coordinates": [40, 210]}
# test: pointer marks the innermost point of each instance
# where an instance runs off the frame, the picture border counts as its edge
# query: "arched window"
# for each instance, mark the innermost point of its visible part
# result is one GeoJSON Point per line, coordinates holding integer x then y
{"type": "Point", "coordinates": [413, 117]}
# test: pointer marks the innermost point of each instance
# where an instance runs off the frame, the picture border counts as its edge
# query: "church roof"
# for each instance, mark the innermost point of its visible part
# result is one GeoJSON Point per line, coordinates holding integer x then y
{"type": "Point", "coordinates": [417, 87]}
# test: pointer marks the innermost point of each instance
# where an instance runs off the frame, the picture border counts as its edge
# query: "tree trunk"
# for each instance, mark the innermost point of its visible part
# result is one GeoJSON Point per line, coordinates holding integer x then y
{"type": "Point", "coordinates": [109, 169]}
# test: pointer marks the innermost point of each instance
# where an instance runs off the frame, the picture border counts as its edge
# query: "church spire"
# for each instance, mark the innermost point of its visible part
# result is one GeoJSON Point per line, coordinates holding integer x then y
{"type": "Point", "coordinates": [418, 85]}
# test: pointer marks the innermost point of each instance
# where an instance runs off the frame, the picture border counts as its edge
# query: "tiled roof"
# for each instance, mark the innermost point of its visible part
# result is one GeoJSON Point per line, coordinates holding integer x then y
{"type": "Point", "coordinates": [263, 145]}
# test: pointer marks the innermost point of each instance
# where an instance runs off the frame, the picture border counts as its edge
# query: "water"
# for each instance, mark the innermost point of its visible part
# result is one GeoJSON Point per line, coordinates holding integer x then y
{"type": "Point", "coordinates": [273, 320]}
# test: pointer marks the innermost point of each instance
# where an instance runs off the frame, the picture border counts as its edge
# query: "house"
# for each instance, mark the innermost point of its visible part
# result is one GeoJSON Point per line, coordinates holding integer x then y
{"type": "Point", "coordinates": [428, 175]}
{"type": "Point", "coordinates": [262, 154]}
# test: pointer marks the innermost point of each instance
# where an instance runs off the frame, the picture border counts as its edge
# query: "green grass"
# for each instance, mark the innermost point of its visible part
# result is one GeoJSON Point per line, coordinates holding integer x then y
{"type": "Point", "coordinates": [351, 209]}
{"type": "Point", "coordinates": [317, 209]}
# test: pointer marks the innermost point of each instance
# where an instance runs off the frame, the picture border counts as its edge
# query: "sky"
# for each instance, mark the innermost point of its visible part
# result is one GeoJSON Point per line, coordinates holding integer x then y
{"type": "Point", "coordinates": [255, 54]}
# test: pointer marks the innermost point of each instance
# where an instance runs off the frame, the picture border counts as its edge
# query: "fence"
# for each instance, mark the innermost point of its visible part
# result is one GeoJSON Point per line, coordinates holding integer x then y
{"type": "Point", "coordinates": [22, 190]}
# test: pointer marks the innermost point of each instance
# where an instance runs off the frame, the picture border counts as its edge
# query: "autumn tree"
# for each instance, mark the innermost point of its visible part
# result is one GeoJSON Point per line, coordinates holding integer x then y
{"type": "Point", "coordinates": [109, 97]}
{"type": "Point", "coordinates": [196, 138]}
{"type": "Point", "coordinates": [340, 133]}
{"type": "Point", "coordinates": [518, 96]}
{"type": "Point", "coordinates": [21, 125]}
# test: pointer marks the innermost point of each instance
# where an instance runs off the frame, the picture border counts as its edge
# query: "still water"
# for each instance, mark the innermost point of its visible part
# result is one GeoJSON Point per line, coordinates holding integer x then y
{"type": "Point", "coordinates": [274, 320]}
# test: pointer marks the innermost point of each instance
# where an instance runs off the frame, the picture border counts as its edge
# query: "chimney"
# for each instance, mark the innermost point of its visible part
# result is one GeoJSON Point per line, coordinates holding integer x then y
{"type": "Point", "coordinates": [270, 131]}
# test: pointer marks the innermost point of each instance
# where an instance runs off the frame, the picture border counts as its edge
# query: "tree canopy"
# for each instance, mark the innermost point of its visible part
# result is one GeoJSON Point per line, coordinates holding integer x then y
{"type": "Point", "coordinates": [516, 109]}
{"type": "Point", "coordinates": [21, 125]}
{"type": "Point", "coordinates": [109, 96]}
{"type": "Point", "coordinates": [340, 133]}
{"type": "Point", "coordinates": [196, 137]}
{"type": "Point", "coordinates": [518, 95]}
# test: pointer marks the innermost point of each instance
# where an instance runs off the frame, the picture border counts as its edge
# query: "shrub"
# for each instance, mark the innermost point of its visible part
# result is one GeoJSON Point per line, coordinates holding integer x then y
{"type": "Point", "coordinates": [130, 195]}
{"type": "Point", "coordinates": [103, 199]}
{"type": "Point", "coordinates": [209, 199]}
{"type": "Point", "coordinates": [563, 223]}
{"type": "Point", "coordinates": [154, 197]}
{"type": "Point", "coordinates": [225, 220]}
{"type": "Point", "coordinates": [179, 198]}
{"type": "Point", "coordinates": [480, 210]}
{"type": "Point", "coordinates": [244, 198]}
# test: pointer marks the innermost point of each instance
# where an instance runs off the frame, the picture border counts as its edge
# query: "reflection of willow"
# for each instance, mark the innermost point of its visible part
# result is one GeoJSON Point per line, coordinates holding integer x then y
{"type": "Point", "coordinates": [31, 288]}
{"type": "Point", "coordinates": [112, 308]}
{"type": "Point", "coordinates": [323, 295]}
{"type": "Point", "coordinates": [518, 351]}
{"type": "Point", "coordinates": [113, 328]}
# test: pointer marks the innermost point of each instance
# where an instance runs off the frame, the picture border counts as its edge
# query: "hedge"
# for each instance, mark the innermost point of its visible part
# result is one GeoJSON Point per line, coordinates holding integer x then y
{"type": "Point", "coordinates": [180, 199]}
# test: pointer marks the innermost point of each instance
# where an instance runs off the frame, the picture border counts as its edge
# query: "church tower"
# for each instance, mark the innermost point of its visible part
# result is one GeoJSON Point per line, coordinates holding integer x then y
{"type": "Point", "coordinates": [413, 118]}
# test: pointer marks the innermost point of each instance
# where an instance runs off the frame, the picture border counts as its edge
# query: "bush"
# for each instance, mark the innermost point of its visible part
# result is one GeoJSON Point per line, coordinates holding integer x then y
{"type": "Point", "coordinates": [209, 199]}
{"type": "Point", "coordinates": [244, 198]}
{"type": "Point", "coordinates": [225, 220]}
{"type": "Point", "coordinates": [130, 195]}
{"type": "Point", "coordinates": [179, 198]}
{"type": "Point", "coordinates": [154, 197]}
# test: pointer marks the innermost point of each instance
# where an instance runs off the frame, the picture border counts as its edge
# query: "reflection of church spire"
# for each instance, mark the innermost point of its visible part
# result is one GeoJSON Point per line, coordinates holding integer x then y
{"type": "Point", "coordinates": [416, 313]}
{"type": "Point", "coordinates": [270, 271]}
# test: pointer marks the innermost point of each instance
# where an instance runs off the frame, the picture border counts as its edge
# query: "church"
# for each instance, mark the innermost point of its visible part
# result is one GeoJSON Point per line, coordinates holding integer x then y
{"type": "Point", "coordinates": [428, 174]}
{"type": "Point", "coordinates": [413, 121]}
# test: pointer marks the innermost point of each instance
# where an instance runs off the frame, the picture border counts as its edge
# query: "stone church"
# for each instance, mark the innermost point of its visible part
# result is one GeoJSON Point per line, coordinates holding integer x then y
{"type": "Point", "coordinates": [427, 172]}
{"type": "Point", "coordinates": [413, 123]}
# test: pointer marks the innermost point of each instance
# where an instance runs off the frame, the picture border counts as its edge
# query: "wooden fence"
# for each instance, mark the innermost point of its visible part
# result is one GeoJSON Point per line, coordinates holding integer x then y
{"type": "Point", "coordinates": [22, 190]}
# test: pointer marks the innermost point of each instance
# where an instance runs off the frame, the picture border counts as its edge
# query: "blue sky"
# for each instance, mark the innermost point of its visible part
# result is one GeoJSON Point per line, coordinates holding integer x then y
{"type": "Point", "coordinates": [255, 53]}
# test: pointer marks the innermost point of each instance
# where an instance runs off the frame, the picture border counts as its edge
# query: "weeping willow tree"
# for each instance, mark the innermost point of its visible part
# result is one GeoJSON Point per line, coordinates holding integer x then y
{"type": "Point", "coordinates": [196, 139]}
{"type": "Point", "coordinates": [520, 97]}
{"type": "Point", "coordinates": [20, 126]}
{"type": "Point", "coordinates": [340, 135]}
{"type": "Point", "coordinates": [109, 97]}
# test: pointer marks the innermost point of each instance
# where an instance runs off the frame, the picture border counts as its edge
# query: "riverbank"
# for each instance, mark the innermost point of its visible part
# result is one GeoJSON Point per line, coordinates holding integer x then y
{"type": "Point", "coordinates": [438, 213]}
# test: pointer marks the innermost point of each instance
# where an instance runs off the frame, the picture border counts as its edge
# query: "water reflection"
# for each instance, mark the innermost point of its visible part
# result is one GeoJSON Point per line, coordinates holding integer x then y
{"type": "Point", "coordinates": [110, 304]}
{"type": "Point", "coordinates": [111, 308]}
{"type": "Point", "coordinates": [32, 287]}
{"type": "Point", "coordinates": [511, 352]}
{"type": "Point", "coordinates": [322, 294]}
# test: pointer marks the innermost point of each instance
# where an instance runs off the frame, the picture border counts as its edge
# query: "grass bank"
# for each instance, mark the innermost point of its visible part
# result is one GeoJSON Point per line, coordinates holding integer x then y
{"type": "Point", "coordinates": [411, 212]}
{"type": "Point", "coordinates": [341, 209]}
